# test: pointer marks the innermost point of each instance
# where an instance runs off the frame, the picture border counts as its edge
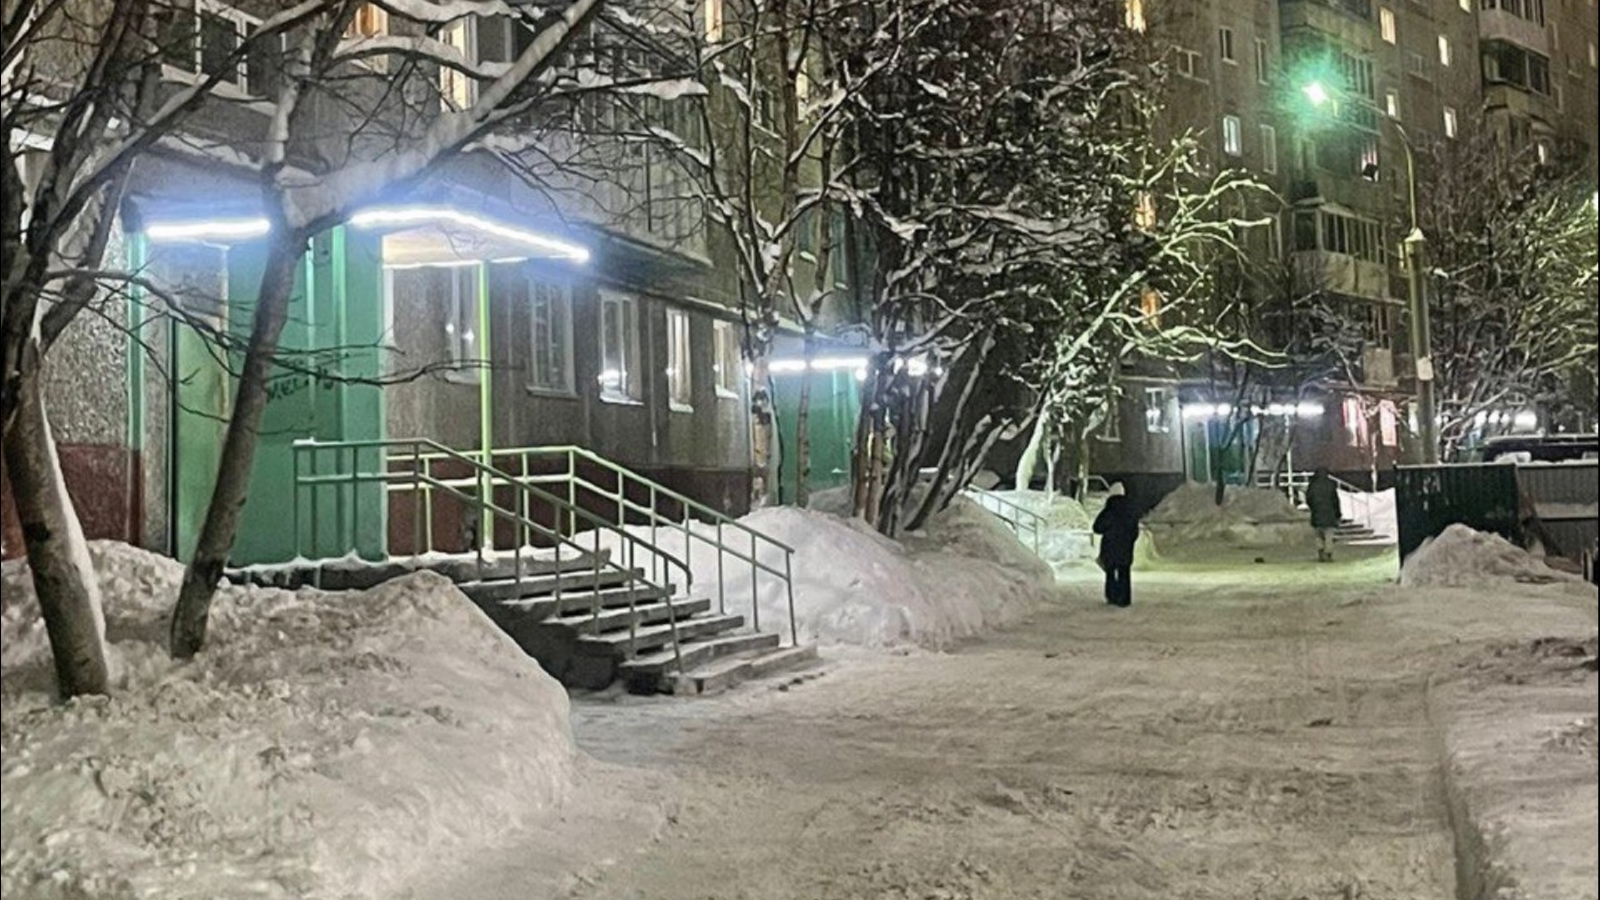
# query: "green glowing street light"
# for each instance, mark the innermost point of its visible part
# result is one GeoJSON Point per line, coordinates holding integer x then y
{"type": "Point", "coordinates": [1413, 248]}
{"type": "Point", "coordinates": [1316, 93]}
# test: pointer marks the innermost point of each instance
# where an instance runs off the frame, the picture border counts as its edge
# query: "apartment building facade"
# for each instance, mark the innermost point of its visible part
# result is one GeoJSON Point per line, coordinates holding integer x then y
{"type": "Point", "coordinates": [1329, 102]}
{"type": "Point", "coordinates": [480, 312]}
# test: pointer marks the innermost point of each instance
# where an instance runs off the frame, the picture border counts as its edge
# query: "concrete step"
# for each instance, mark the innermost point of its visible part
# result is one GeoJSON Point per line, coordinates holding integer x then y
{"type": "Point", "coordinates": [646, 673]}
{"type": "Point", "coordinates": [485, 592]}
{"type": "Point", "coordinates": [724, 672]}
{"type": "Point", "coordinates": [620, 618]}
{"type": "Point", "coordinates": [581, 600]}
{"type": "Point", "coordinates": [625, 645]}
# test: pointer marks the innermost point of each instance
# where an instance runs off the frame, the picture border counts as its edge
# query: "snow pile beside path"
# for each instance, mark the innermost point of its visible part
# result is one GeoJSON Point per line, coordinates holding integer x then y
{"type": "Point", "coordinates": [323, 746]}
{"type": "Point", "coordinates": [1248, 518]}
{"type": "Point", "coordinates": [1463, 557]}
{"type": "Point", "coordinates": [966, 573]}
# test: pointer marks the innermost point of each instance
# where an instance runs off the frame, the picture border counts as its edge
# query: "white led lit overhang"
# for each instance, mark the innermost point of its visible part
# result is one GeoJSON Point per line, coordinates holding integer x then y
{"type": "Point", "coordinates": [401, 216]}
{"type": "Point", "coordinates": [208, 230]}
{"type": "Point", "coordinates": [375, 217]}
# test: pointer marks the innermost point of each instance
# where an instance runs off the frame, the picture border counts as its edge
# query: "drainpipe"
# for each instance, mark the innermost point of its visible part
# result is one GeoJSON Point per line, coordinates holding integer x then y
{"type": "Point", "coordinates": [135, 436]}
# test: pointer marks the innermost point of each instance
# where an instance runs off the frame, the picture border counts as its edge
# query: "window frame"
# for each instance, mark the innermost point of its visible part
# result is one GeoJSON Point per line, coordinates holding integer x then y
{"type": "Point", "coordinates": [468, 95]}
{"type": "Point", "coordinates": [244, 24]}
{"type": "Point", "coordinates": [629, 364]}
{"type": "Point", "coordinates": [1225, 45]}
{"type": "Point", "coordinates": [463, 320]}
{"type": "Point", "coordinates": [680, 361]}
{"type": "Point", "coordinates": [1156, 400]}
{"type": "Point", "coordinates": [1269, 149]}
{"type": "Point", "coordinates": [728, 365]}
{"type": "Point", "coordinates": [1263, 62]}
{"type": "Point", "coordinates": [1232, 135]}
{"type": "Point", "coordinates": [1388, 27]}
{"type": "Point", "coordinates": [556, 296]}
{"type": "Point", "coordinates": [1110, 430]}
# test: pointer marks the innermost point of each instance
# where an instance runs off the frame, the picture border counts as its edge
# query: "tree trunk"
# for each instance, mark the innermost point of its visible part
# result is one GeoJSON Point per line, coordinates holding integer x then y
{"type": "Point", "coordinates": [58, 557]}
{"type": "Point", "coordinates": [238, 452]}
{"type": "Point", "coordinates": [802, 429]}
{"type": "Point", "coordinates": [761, 436]}
{"type": "Point", "coordinates": [1030, 453]}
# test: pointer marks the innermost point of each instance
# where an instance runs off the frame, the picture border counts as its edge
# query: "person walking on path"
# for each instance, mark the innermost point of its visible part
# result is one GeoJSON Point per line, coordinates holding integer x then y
{"type": "Point", "coordinates": [1322, 498]}
{"type": "Point", "coordinates": [1118, 527]}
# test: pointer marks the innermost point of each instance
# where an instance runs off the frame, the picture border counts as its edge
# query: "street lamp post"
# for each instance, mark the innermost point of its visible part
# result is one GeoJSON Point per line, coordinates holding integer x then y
{"type": "Point", "coordinates": [1415, 248]}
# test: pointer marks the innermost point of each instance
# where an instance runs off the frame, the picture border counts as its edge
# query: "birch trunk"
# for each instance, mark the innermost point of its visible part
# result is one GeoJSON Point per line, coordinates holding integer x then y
{"type": "Point", "coordinates": [761, 436]}
{"type": "Point", "coordinates": [228, 498]}
{"type": "Point", "coordinates": [802, 429]}
{"type": "Point", "coordinates": [58, 557]}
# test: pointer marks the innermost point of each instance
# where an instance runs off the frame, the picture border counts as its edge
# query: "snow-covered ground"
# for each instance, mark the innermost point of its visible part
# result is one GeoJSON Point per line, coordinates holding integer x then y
{"type": "Point", "coordinates": [1248, 518]}
{"type": "Point", "coordinates": [964, 574]}
{"type": "Point", "coordinates": [323, 746]}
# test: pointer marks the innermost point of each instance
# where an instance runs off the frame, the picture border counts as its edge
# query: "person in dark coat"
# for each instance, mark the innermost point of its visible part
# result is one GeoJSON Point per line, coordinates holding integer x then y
{"type": "Point", "coordinates": [1118, 527]}
{"type": "Point", "coordinates": [1322, 498]}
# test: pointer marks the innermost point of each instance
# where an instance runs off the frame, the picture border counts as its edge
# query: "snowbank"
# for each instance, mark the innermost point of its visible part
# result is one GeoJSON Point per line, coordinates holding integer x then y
{"type": "Point", "coordinates": [324, 745]}
{"type": "Point", "coordinates": [1463, 557]}
{"type": "Point", "coordinates": [964, 574]}
{"type": "Point", "coordinates": [1065, 539]}
{"type": "Point", "coordinates": [1248, 518]}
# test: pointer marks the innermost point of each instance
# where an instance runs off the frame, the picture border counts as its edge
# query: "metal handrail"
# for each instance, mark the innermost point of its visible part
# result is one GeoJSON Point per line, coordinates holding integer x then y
{"type": "Point", "coordinates": [618, 496]}
{"type": "Point", "coordinates": [1294, 485]}
{"type": "Point", "coordinates": [423, 482]}
{"type": "Point", "coordinates": [1010, 512]}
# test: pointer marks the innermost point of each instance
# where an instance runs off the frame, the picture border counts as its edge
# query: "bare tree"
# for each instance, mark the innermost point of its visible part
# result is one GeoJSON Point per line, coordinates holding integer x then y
{"type": "Point", "coordinates": [81, 105]}
{"type": "Point", "coordinates": [1512, 288]}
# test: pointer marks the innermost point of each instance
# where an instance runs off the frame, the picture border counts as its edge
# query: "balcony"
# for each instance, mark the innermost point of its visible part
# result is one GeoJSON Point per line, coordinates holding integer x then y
{"type": "Point", "coordinates": [1341, 274]}
{"type": "Point", "coordinates": [1499, 25]}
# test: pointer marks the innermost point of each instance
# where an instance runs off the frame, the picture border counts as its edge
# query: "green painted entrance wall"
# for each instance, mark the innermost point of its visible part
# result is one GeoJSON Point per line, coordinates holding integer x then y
{"type": "Point", "coordinates": [331, 343]}
{"type": "Point", "coordinates": [835, 405]}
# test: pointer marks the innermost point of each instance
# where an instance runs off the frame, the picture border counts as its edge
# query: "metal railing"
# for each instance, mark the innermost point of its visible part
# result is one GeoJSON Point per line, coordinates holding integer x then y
{"type": "Point", "coordinates": [1020, 518]}
{"type": "Point", "coordinates": [1294, 485]}
{"type": "Point", "coordinates": [410, 465]}
{"type": "Point", "coordinates": [559, 467]}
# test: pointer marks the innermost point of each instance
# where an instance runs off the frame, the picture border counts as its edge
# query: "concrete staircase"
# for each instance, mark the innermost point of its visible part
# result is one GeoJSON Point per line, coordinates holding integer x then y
{"type": "Point", "coordinates": [1351, 532]}
{"type": "Point", "coordinates": [581, 620]}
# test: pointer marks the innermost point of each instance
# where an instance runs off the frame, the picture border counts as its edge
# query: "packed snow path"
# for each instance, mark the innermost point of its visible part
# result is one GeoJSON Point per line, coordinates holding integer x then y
{"type": "Point", "coordinates": [1238, 734]}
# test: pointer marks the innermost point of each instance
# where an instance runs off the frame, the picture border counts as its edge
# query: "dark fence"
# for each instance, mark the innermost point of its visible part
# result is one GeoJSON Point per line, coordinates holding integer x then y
{"type": "Point", "coordinates": [1554, 505]}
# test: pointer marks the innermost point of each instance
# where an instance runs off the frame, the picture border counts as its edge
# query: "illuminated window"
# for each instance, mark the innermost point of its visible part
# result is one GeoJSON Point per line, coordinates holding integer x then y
{"type": "Point", "coordinates": [1157, 411]}
{"type": "Point", "coordinates": [680, 382]}
{"type": "Point", "coordinates": [1388, 424]}
{"type": "Point", "coordinates": [1355, 422]}
{"type": "Point", "coordinates": [1446, 56]}
{"type": "Point", "coordinates": [725, 343]}
{"type": "Point", "coordinates": [1449, 122]}
{"type": "Point", "coordinates": [1144, 211]}
{"type": "Point", "coordinates": [713, 20]}
{"type": "Point", "coordinates": [1150, 305]}
{"type": "Point", "coordinates": [1133, 15]}
{"type": "Point", "coordinates": [1232, 136]}
{"type": "Point", "coordinates": [1386, 25]}
{"type": "Point", "coordinates": [1391, 103]}
{"type": "Point", "coordinates": [457, 88]}
{"type": "Point", "coordinates": [369, 21]}
{"type": "Point", "coordinates": [619, 348]}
